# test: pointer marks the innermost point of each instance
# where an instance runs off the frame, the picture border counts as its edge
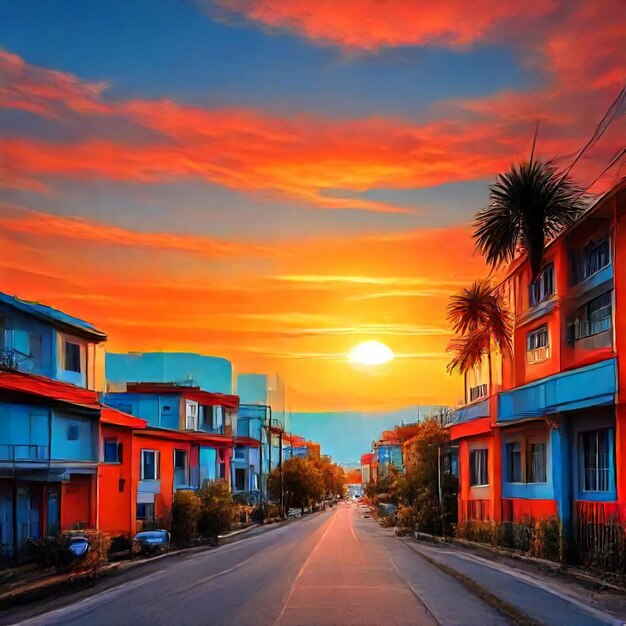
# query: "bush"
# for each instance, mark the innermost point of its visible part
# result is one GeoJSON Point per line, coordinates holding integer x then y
{"type": "Point", "coordinates": [217, 509]}
{"type": "Point", "coordinates": [185, 515]}
{"type": "Point", "coordinates": [546, 538]}
{"type": "Point", "coordinates": [406, 518]}
{"type": "Point", "coordinates": [120, 543]}
{"type": "Point", "coordinates": [98, 551]}
{"type": "Point", "coordinates": [48, 552]}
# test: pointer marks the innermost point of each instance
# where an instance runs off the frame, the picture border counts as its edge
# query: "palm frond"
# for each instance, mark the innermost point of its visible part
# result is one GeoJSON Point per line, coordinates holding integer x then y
{"type": "Point", "coordinates": [528, 206]}
{"type": "Point", "coordinates": [480, 307]}
{"type": "Point", "coordinates": [468, 351]}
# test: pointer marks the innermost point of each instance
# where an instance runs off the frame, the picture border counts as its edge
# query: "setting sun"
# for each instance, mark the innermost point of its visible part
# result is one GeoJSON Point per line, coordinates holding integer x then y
{"type": "Point", "coordinates": [371, 353]}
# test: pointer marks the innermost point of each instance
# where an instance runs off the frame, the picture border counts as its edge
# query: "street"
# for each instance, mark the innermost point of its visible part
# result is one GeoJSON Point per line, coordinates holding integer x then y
{"type": "Point", "coordinates": [337, 567]}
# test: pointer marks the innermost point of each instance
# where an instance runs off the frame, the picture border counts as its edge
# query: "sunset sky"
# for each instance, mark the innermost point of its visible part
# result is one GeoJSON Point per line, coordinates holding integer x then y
{"type": "Point", "coordinates": [275, 181]}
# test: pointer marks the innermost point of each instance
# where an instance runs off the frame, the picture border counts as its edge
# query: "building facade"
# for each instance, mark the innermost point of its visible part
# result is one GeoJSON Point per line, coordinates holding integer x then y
{"type": "Point", "coordinates": [51, 370]}
{"type": "Point", "coordinates": [548, 438]}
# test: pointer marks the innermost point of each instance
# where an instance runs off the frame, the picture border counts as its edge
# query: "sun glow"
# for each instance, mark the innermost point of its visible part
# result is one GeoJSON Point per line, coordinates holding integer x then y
{"type": "Point", "coordinates": [371, 353]}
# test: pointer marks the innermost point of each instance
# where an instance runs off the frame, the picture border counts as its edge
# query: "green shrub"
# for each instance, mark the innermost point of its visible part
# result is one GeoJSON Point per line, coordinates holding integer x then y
{"type": "Point", "coordinates": [217, 509]}
{"type": "Point", "coordinates": [185, 515]}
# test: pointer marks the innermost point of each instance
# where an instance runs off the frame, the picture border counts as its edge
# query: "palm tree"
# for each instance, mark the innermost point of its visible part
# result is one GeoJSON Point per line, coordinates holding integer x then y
{"type": "Point", "coordinates": [528, 206]}
{"type": "Point", "coordinates": [481, 322]}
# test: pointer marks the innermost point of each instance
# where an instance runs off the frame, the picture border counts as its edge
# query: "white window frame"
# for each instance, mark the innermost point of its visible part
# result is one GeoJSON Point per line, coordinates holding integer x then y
{"type": "Point", "coordinates": [536, 351]}
{"type": "Point", "coordinates": [157, 460]}
{"type": "Point", "coordinates": [191, 415]}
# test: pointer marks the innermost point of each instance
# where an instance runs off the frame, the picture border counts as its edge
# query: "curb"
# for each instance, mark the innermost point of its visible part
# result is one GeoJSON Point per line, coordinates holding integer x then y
{"type": "Point", "coordinates": [587, 580]}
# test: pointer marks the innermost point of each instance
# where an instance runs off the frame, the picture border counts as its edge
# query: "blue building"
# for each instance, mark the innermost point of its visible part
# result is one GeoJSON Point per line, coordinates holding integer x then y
{"type": "Point", "coordinates": [51, 370]}
{"type": "Point", "coordinates": [180, 368]}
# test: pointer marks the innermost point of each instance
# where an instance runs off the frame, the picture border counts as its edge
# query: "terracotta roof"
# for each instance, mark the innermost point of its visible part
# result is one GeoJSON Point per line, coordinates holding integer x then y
{"type": "Point", "coordinates": [112, 416]}
{"type": "Point", "coordinates": [42, 387]}
{"type": "Point", "coordinates": [185, 435]}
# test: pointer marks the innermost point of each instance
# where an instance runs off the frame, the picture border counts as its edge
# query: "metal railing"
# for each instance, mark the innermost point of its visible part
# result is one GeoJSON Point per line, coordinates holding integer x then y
{"type": "Point", "coordinates": [15, 360]}
{"type": "Point", "coordinates": [23, 452]}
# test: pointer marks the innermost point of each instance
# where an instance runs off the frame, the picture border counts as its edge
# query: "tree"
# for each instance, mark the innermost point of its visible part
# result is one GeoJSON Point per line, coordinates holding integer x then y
{"type": "Point", "coordinates": [354, 477]}
{"type": "Point", "coordinates": [333, 477]}
{"type": "Point", "coordinates": [302, 483]}
{"type": "Point", "coordinates": [185, 512]}
{"type": "Point", "coordinates": [478, 316]}
{"type": "Point", "coordinates": [421, 487]}
{"type": "Point", "coordinates": [528, 205]}
{"type": "Point", "coordinates": [217, 508]}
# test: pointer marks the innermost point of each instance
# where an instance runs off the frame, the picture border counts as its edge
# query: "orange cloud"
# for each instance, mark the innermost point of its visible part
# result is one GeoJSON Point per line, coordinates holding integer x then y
{"type": "Point", "coordinates": [320, 161]}
{"type": "Point", "coordinates": [41, 91]}
{"type": "Point", "coordinates": [371, 24]}
{"type": "Point", "coordinates": [246, 315]}
{"type": "Point", "coordinates": [20, 220]}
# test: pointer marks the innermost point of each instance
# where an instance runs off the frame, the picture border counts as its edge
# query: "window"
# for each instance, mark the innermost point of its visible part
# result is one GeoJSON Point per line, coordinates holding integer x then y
{"type": "Point", "coordinates": [34, 347]}
{"type": "Point", "coordinates": [112, 450]}
{"type": "Point", "coordinates": [536, 464]}
{"type": "Point", "coordinates": [480, 391]}
{"type": "Point", "coordinates": [594, 317]}
{"type": "Point", "coordinates": [478, 467]}
{"type": "Point", "coordinates": [180, 459]}
{"type": "Point", "coordinates": [240, 453]}
{"type": "Point", "coordinates": [145, 511]}
{"type": "Point", "coordinates": [73, 432]}
{"type": "Point", "coordinates": [542, 287]}
{"type": "Point", "coordinates": [595, 461]}
{"type": "Point", "coordinates": [596, 256]}
{"type": "Point", "coordinates": [192, 416]}
{"type": "Point", "coordinates": [3, 327]}
{"type": "Point", "coordinates": [72, 357]}
{"type": "Point", "coordinates": [537, 345]}
{"type": "Point", "coordinates": [514, 462]}
{"type": "Point", "coordinates": [240, 479]}
{"type": "Point", "coordinates": [180, 467]}
{"type": "Point", "coordinates": [150, 465]}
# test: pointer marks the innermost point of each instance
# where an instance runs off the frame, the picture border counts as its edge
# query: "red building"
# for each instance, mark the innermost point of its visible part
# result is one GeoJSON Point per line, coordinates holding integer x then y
{"type": "Point", "coordinates": [548, 437]}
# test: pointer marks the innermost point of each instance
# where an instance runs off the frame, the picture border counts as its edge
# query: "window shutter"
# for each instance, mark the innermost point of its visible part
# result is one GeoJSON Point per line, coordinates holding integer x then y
{"type": "Point", "coordinates": [157, 464]}
{"type": "Point", "coordinates": [120, 455]}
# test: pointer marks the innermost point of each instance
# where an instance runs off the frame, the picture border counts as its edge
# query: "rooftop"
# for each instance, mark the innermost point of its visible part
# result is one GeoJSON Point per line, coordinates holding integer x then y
{"type": "Point", "coordinates": [53, 316]}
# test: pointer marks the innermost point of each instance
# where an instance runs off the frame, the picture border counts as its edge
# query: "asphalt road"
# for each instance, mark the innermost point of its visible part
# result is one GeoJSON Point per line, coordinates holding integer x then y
{"type": "Point", "coordinates": [335, 568]}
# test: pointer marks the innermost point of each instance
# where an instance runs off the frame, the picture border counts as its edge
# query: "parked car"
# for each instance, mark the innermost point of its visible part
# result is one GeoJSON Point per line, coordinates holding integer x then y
{"type": "Point", "coordinates": [153, 541]}
{"type": "Point", "coordinates": [78, 544]}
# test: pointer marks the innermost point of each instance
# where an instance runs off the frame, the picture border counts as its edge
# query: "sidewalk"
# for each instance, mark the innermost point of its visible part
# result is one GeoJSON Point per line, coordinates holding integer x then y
{"type": "Point", "coordinates": [545, 596]}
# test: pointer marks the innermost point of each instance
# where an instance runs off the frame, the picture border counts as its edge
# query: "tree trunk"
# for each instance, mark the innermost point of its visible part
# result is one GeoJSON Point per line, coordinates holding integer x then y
{"type": "Point", "coordinates": [490, 372]}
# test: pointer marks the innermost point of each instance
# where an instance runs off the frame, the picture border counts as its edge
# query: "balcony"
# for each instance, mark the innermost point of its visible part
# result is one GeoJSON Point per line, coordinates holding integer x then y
{"type": "Point", "coordinates": [538, 355]}
{"type": "Point", "coordinates": [24, 453]}
{"type": "Point", "coordinates": [594, 385]}
{"type": "Point", "coordinates": [15, 360]}
{"type": "Point", "coordinates": [223, 429]}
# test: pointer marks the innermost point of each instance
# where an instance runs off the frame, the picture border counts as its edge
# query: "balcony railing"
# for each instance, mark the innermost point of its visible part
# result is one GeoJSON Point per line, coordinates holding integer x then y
{"type": "Point", "coordinates": [15, 360]}
{"type": "Point", "coordinates": [538, 355]}
{"type": "Point", "coordinates": [480, 391]}
{"type": "Point", "coordinates": [23, 452]}
{"type": "Point", "coordinates": [224, 429]}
